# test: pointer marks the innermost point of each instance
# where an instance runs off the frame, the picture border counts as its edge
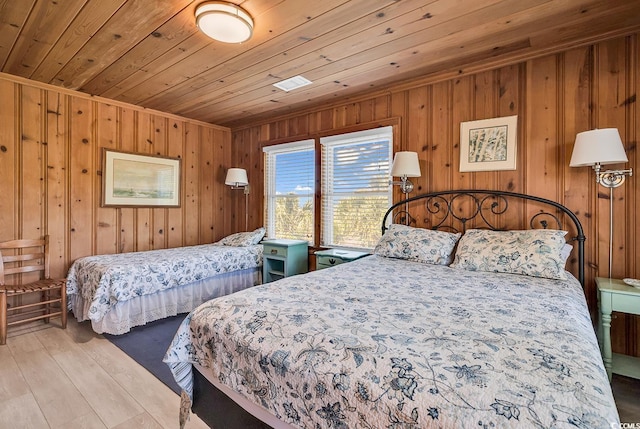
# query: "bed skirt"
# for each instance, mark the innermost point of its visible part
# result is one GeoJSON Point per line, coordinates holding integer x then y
{"type": "Point", "coordinates": [182, 299]}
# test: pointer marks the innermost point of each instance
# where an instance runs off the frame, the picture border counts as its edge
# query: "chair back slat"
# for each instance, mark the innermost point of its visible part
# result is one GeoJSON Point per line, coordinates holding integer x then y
{"type": "Point", "coordinates": [24, 257]}
{"type": "Point", "coordinates": [22, 270]}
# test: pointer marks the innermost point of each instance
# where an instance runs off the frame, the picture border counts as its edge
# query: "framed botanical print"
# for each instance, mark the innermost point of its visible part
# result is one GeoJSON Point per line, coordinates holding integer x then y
{"type": "Point", "coordinates": [488, 144]}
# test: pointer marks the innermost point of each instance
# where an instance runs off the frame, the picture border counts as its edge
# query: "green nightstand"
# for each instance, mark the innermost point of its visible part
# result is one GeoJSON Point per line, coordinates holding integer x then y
{"type": "Point", "coordinates": [615, 295]}
{"type": "Point", "coordinates": [331, 257]}
{"type": "Point", "coordinates": [284, 258]}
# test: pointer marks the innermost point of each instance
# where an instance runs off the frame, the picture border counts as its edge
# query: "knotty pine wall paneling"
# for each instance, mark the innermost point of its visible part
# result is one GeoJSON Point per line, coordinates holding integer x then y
{"type": "Point", "coordinates": [555, 97]}
{"type": "Point", "coordinates": [51, 144]}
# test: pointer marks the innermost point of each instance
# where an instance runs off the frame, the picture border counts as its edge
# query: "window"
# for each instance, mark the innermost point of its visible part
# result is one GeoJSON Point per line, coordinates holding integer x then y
{"type": "Point", "coordinates": [289, 190]}
{"type": "Point", "coordinates": [355, 187]}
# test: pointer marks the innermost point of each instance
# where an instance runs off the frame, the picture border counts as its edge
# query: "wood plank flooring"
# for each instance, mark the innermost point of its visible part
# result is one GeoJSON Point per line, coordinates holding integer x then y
{"type": "Point", "coordinates": [75, 378]}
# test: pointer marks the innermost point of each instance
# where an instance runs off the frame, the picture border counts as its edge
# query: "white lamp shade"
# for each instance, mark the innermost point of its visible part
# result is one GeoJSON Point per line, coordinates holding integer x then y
{"type": "Point", "coordinates": [236, 177]}
{"type": "Point", "coordinates": [405, 164]}
{"type": "Point", "coordinates": [600, 146]}
{"type": "Point", "coordinates": [223, 21]}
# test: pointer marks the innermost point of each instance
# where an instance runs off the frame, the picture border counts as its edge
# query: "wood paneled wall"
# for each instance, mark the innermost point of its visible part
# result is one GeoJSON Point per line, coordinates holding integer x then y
{"type": "Point", "coordinates": [51, 144]}
{"type": "Point", "coordinates": [555, 97]}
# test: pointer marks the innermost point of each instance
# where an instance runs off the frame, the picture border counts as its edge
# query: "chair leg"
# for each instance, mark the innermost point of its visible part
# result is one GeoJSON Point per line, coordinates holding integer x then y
{"type": "Point", "coordinates": [45, 296]}
{"type": "Point", "coordinates": [3, 318]}
{"type": "Point", "coordinates": [63, 304]}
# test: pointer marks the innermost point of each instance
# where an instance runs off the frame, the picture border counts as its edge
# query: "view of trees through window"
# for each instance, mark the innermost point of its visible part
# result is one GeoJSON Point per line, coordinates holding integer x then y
{"type": "Point", "coordinates": [355, 189]}
{"type": "Point", "coordinates": [294, 219]}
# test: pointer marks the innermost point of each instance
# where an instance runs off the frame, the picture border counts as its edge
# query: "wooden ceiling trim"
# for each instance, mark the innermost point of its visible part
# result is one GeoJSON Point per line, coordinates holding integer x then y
{"type": "Point", "coordinates": [81, 95]}
{"type": "Point", "coordinates": [393, 87]}
{"type": "Point", "coordinates": [123, 31]}
{"type": "Point", "coordinates": [199, 67]}
{"type": "Point", "coordinates": [92, 16]}
{"type": "Point", "coordinates": [47, 20]}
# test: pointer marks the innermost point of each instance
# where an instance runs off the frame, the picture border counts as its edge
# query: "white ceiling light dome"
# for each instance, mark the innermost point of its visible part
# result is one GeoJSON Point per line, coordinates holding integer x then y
{"type": "Point", "coordinates": [224, 21]}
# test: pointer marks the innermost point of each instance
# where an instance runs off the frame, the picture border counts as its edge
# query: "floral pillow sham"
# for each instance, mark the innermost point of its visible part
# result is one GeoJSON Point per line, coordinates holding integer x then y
{"type": "Point", "coordinates": [242, 239]}
{"type": "Point", "coordinates": [417, 244]}
{"type": "Point", "coordinates": [536, 252]}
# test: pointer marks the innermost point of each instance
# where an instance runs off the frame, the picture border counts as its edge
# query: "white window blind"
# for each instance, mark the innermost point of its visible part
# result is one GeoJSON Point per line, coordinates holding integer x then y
{"type": "Point", "coordinates": [289, 190]}
{"type": "Point", "coordinates": [355, 187]}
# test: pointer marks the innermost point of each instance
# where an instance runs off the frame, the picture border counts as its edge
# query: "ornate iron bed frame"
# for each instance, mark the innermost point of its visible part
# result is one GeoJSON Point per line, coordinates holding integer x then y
{"type": "Point", "coordinates": [443, 208]}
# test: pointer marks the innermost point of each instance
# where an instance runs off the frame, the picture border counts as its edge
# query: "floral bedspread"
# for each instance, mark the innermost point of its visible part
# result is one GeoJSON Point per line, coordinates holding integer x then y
{"type": "Point", "coordinates": [109, 279]}
{"type": "Point", "coordinates": [388, 343]}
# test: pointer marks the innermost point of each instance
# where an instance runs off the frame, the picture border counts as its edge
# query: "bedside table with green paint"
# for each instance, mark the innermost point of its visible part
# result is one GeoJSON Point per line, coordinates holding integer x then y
{"type": "Point", "coordinates": [331, 257]}
{"type": "Point", "coordinates": [616, 295]}
{"type": "Point", "coordinates": [283, 258]}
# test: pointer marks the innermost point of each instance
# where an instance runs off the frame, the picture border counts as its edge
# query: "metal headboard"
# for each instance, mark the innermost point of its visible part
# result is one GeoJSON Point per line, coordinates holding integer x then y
{"type": "Point", "coordinates": [483, 210]}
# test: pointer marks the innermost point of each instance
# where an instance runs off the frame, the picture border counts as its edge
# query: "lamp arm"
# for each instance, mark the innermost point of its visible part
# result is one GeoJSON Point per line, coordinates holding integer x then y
{"type": "Point", "coordinates": [611, 178]}
{"type": "Point", "coordinates": [405, 184]}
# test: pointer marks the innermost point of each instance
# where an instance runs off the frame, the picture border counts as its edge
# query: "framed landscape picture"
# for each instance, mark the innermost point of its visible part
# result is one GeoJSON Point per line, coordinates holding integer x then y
{"type": "Point", "coordinates": [488, 144]}
{"type": "Point", "coordinates": [133, 180]}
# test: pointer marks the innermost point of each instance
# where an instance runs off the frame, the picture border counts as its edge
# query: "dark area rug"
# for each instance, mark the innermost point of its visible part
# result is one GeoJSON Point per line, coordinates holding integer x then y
{"type": "Point", "coordinates": [147, 345]}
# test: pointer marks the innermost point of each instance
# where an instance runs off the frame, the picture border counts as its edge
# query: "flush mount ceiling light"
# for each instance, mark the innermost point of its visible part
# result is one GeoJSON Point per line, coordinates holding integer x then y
{"type": "Point", "coordinates": [292, 83]}
{"type": "Point", "coordinates": [223, 21]}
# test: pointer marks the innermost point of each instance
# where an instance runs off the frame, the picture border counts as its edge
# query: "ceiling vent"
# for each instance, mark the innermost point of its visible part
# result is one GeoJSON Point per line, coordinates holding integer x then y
{"type": "Point", "coordinates": [292, 83]}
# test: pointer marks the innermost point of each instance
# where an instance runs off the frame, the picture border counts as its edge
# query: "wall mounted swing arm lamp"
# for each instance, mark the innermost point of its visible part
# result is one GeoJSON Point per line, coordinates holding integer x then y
{"type": "Point", "coordinates": [596, 148]}
{"type": "Point", "coordinates": [237, 179]}
{"type": "Point", "coordinates": [405, 165]}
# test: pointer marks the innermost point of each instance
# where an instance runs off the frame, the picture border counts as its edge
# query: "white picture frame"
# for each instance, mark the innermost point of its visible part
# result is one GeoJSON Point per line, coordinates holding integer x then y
{"type": "Point", "coordinates": [489, 144]}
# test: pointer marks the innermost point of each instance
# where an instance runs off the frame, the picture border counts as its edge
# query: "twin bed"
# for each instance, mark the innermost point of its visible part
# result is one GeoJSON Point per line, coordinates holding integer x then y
{"type": "Point", "coordinates": [120, 291]}
{"type": "Point", "coordinates": [455, 324]}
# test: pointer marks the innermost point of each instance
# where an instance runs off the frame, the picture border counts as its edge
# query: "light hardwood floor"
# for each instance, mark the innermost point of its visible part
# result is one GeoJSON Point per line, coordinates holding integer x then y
{"type": "Point", "coordinates": [74, 378]}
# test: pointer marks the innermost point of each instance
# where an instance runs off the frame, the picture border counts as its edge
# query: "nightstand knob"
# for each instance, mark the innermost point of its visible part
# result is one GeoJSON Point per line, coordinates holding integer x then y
{"type": "Point", "coordinates": [274, 251]}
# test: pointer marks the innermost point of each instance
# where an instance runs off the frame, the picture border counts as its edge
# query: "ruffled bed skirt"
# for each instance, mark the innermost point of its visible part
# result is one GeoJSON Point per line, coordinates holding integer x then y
{"type": "Point", "coordinates": [147, 308]}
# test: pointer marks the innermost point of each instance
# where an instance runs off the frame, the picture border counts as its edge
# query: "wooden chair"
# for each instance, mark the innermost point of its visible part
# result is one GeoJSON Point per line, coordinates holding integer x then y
{"type": "Point", "coordinates": [19, 258]}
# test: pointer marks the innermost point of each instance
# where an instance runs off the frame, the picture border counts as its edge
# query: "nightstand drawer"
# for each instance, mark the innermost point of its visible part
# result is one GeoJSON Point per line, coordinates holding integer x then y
{"type": "Point", "coordinates": [328, 261]}
{"type": "Point", "coordinates": [332, 257]}
{"type": "Point", "coordinates": [275, 250]}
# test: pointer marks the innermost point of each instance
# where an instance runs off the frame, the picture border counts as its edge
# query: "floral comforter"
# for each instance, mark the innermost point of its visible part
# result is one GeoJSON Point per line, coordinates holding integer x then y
{"type": "Point", "coordinates": [388, 343]}
{"type": "Point", "coordinates": [109, 279]}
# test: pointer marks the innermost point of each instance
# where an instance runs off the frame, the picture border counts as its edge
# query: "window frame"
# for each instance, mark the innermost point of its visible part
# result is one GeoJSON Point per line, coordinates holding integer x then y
{"type": "Point", "coordinates": [394, 123]}
{"type": "Point", "coordinates": [328, 143]}
{"type": "Point", "coordinates": [269, 185]}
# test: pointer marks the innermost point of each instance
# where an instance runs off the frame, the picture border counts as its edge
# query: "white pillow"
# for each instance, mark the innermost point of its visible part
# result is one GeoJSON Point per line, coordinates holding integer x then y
{"type": "Point", "coordinates": [535, 252]}
{"type": "Point", "coordinates": [241, 239]}
{"type": "Point", "coordinates": [566, 252]}
{"type": "Point", "coordinates": [417, 244]}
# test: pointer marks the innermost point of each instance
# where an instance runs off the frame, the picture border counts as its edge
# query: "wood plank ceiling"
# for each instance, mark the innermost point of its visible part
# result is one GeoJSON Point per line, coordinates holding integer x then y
{"type": "Point", "coordinates": [150, 53]}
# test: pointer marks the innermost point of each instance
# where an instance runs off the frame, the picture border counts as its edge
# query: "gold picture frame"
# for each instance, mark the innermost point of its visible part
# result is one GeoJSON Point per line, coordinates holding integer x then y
{"type": "Point", "coordinates": [489, 144]}
{"type": "Point", "coordinates": [135, 180]}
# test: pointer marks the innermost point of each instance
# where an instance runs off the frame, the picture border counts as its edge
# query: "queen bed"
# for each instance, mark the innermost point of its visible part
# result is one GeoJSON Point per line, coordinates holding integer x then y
{"type": "Point", "coordinates": [466, 327]}
{"type": "Point", "coordinates": [117, 292]}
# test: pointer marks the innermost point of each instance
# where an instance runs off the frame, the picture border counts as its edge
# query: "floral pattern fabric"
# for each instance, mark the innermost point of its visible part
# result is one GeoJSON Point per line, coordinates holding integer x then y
{"type": "Point", "coordinates": [535, 252]}
{"type": "Point", "coordinates": [108, 279]}
{"type": "Point", "coordinates": [243, 238]}
{"type": "Point", "coordinates": [417, 244]}
{"type": "Point", "coordinates": [390, 343]}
